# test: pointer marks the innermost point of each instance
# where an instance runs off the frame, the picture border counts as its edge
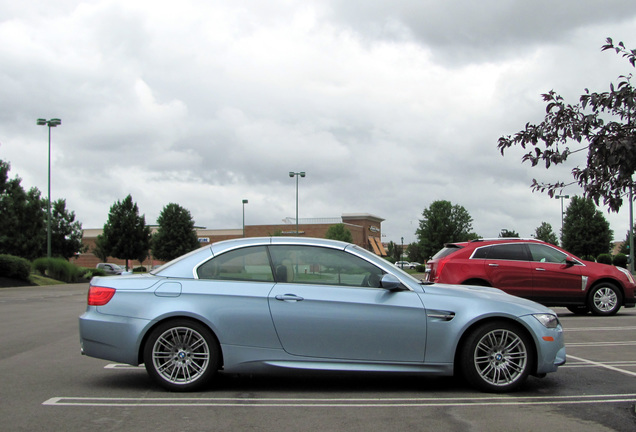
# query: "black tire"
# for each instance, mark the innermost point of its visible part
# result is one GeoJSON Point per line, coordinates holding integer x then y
{"type": "Point", "coordinates": [579, 310]}
{"type": "Point", "coordinates": [497, 357]}
{"type": "Point", "coordinates": [605, 299]}
{"type": "Point", "coordinates": [181, 355]}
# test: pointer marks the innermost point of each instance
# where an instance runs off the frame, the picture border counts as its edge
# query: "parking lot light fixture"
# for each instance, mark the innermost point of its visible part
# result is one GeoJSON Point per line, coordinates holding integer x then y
{"type": "Point", "coordinates": [51, 124]}
{"type": "Point", "coordinates": [244, 202]}
{"type": "Point", "coordinates": [561, 197]}
{"type": "Point", "coordinates": [297, 174]}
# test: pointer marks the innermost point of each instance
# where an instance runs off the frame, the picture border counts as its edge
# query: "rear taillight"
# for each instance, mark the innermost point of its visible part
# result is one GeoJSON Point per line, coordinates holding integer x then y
{"type": "Point", "coordinates": [99, 296]}
{"type": "Point", "coordinates": [438, 270]}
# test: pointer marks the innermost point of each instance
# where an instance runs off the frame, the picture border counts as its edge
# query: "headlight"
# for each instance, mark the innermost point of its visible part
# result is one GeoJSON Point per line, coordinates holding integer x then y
{"type": "Point", "coordinates": [548, 320]}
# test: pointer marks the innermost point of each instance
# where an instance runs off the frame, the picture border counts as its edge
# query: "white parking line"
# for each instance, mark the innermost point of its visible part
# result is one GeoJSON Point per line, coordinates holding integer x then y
{"type": "Point", "coordinates": [569, 364]}
{"type": "Point", "coordinates": [600, 344]}
{"type": "Point", "coordinates": [602, 365]}
{"type": "Point", "coordinates": [588, 329]}
{"type": "Point", "coordinates": [353, 402]}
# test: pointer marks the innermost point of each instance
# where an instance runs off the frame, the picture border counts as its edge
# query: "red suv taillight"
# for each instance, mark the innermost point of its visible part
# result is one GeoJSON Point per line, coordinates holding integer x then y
{"type": "Point", "coordinates": [99, 296]}
{"type": "Point", "coordinates": [437, 270]}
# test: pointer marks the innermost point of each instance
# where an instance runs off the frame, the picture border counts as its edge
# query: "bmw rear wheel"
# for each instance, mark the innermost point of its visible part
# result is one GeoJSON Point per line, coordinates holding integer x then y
{"type": "Point", "coordinates": [181, 355]}
{"type": "Point", "coordinates": [497, 357]}
{"type": "Point", "coordinates": [605, 299]}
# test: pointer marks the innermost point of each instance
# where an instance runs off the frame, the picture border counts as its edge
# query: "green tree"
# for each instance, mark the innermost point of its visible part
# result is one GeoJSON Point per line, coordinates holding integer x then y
{"type": "Point", "coordinates": [544, 232]}
{"type": "Point", "coordinates": [66, 232]}
{"type": "Point", "coordinates": [414, 253]}
{"type": "Point", "coordinates": [442, 223]}
{"type": "Point", "coordinates": [100, 249]}
{"type": "Point", "coordinates": [339, 232]}
{"type": "Point", "coordinates": [394, 251]}
{"type": "Point", "coordinates": [603, 123]}
{"type": "Point", "coordinates": [22, 220]}
{"type": "Point", "coordinates": [505, 233]}
{"type": "Point", "coordinates": [175, 235]}
{"type": "Point", "coordinates": [126, 235]}
{"type": "Point", "coordinates": [586, 232]}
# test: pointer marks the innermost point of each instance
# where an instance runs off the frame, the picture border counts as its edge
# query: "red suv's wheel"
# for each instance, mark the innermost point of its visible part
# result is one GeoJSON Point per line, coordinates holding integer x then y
{"type": "Point", "coordinates": [605, 299]}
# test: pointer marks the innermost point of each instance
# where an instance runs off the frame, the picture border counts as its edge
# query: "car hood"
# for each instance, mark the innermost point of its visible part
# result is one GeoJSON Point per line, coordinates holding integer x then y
{"type": "Point", "coordinates": [480, 294]}
{"type": "Point", "coordinates": [601, 268]}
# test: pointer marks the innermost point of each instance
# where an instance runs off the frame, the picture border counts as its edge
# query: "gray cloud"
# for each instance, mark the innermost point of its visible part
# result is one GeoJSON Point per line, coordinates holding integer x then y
{"type": "Point", "coordinates": [387, 106]}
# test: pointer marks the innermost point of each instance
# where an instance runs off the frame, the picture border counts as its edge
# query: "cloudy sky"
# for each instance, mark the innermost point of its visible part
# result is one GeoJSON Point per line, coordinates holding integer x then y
{"type": "Point", "coordinates": [386, 105]}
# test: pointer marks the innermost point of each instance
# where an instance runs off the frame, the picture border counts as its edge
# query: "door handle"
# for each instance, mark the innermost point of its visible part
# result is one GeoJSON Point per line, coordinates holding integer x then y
{"type": "Point", "coordinates": [288, 297]}
{"type": "Point", "coordinates": [539, 269]}
{"type": "Point", "coordinates": [493, 265]}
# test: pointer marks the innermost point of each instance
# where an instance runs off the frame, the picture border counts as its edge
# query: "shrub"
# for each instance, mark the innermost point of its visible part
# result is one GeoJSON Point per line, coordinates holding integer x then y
{"type": "Point", "coordinates": [15, 267]}
{"type": "Point", "coordinates": [588, 258]}
{"type": "Point", "coordinates": [620, 260]}
{"type": "Point", "coordinates": [420, 268]}
{"type": "Point", "coordinates": [58, 269]}
{"type": "Point", "coordinates": [89, 272]}
{"type": "Point", "coordinates": [604, 258]}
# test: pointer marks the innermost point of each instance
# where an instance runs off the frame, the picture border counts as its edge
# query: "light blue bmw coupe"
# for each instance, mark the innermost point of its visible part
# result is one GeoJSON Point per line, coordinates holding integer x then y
{"type": "Point", "coordinates": [277, 304]}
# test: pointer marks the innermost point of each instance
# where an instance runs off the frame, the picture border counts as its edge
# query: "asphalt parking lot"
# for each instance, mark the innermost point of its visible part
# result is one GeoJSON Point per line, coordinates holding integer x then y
{"type": "Point", "coordinates": [47, 385]}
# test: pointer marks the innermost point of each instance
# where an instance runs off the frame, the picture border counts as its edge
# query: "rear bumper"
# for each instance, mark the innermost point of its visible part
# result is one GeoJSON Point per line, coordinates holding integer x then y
{"type": "Point", "coordinates": [111, 337]}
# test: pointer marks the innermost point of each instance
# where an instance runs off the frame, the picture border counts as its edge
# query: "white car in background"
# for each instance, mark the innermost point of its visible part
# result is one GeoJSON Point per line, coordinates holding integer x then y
{"type": "Point", "coordinates": [112, 269]}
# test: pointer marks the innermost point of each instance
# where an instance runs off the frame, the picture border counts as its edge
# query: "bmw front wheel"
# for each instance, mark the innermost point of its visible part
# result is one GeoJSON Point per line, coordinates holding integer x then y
{"type": "Point", "coordinates": [181, 355]}
{"type": "Point", "coordinates": [497, 357]}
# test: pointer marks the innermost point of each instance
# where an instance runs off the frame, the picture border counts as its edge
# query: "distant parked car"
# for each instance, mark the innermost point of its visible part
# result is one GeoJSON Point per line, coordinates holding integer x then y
{"type": "Point", "coordinates": [404, 264]}
{"type": "Point", "coordinates": [112, 269]}
{"type": "Point", "coordinates": [283, 303]}
{"type": "Point", "coordinates": [535, 270]}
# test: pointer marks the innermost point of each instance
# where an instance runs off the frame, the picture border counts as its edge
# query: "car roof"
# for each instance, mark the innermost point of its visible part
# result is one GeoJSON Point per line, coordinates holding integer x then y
{"type": "Point", "coordinates": [182, 266]}
{"type": "Point", "coordinates": [487, 241]}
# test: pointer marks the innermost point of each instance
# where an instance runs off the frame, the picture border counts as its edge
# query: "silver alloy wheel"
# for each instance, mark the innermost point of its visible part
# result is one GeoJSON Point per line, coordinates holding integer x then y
{"type": "Point", "coordinates": [605, 299]}
{"type": "Point", "coordinates": [180, 355]}
{"type": "Point", "coordinates": [500, 357]}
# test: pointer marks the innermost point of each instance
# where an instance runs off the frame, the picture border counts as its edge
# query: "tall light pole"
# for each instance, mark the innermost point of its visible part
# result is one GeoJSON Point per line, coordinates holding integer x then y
{"type": "Point", "coordinates": [51, 124]}
{"type": "Point", "coordinates": [297, 174]}
{"type": "Point", "coordinates": [561, 197]}
{"type": "Point", "coordinates": [631, 228]}
{"type": "Point", "coordinates": [244, 202]}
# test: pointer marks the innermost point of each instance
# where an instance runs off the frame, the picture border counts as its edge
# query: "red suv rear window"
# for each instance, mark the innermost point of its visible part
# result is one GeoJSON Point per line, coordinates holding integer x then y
{"type": "Point", "coordinates": [447, 250]}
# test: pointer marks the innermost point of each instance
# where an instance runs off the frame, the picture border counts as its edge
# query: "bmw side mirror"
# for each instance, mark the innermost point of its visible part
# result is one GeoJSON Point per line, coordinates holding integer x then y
{"type": "Point", "coordinates": [391, 283]}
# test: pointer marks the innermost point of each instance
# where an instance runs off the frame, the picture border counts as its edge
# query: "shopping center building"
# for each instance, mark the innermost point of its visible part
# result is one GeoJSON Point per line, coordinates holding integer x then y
{"type": "Point", "coordinates": [366, 230]}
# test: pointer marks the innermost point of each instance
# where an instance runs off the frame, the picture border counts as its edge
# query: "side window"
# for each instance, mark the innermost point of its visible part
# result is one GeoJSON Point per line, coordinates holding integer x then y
{"type": "Point", "coordinates": [481, 253]}
{"type": "Point", "coordinates": [323, 266]}
{"type": "Point", "coordinates": [510, 252]}
{"type": "Point", "coordinates": [248, 264]}
{"type": "Point", "coordinates": [542, 253]}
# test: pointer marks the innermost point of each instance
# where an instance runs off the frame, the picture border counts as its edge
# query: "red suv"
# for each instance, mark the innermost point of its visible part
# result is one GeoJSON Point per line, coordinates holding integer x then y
{"type": "Point", "coordinates": [537, 271]}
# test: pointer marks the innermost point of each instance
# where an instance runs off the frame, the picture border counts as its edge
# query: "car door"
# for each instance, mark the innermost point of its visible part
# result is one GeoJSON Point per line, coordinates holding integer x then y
{"type": "Point", "coordinates": [327, 303]}
{"type": "Point", "coordinates": [555, 279]}
{"type": "Point", "coordinates": [507, 267]}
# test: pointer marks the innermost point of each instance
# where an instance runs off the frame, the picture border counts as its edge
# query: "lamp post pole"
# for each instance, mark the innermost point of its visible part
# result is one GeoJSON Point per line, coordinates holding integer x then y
{"type": "Point", "coordinates": [244, 202]}
{"type": "Point", "coordinates": [297, 174]}
{"type": "Point", "coordinates": [51, 124]}
{"type": "Point", "coordinates": [631, 228]}
{"type": "Point", "coordinates": [561, 197]}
